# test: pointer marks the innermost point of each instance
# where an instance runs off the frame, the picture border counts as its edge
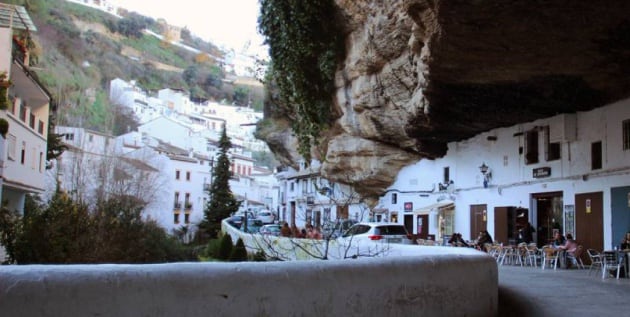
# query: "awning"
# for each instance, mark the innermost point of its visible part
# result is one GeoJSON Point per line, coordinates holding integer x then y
{"type": "Point", "coordinates": [444, 204]}
{"type": "Point", "coordinates": [379, 210]}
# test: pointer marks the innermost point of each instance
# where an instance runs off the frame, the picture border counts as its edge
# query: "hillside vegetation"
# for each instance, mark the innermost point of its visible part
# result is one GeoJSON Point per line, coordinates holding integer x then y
{"type": "Point", "coordinates": [79, 50]}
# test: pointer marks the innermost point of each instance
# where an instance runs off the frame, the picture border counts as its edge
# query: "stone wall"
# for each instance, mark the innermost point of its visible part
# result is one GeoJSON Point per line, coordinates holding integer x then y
{"type": "Point", "coordinates": [437, 284]}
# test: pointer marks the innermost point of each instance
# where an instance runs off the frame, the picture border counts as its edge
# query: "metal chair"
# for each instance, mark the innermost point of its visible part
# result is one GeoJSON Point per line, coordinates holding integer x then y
{"type": "Point", "coordinates": [550, 257]}
{"type": "Point", "coordinates": [612, 263]}
{"type": "Point", "coordinates": [596, 260]}
{"type": "Point", "coordinates": [533, 255]}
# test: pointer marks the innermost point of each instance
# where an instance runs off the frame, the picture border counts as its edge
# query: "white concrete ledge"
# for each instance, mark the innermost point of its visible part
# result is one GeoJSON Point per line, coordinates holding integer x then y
{"type": "Point", "coordinates": [442, 284]}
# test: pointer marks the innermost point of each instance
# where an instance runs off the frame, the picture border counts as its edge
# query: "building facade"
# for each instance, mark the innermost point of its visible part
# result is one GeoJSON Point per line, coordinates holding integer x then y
{"type": "Point", "coordinates": [26, 109]}
{"type": "Point", "coordinates": [568, 173]}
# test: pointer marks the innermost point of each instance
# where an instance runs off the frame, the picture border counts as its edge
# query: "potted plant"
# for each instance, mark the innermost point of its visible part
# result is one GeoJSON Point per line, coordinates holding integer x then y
{"type": "Point", "coordinates": [4, 127]}
{"type": "Point", "coordinates": [5, 83]}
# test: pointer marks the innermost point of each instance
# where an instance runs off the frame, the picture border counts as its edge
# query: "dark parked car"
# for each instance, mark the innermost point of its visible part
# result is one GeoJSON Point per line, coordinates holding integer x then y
{"type": "Point", "coordinates": [253, 226]}
{"type": "Point", "coordinates": [236, 221]}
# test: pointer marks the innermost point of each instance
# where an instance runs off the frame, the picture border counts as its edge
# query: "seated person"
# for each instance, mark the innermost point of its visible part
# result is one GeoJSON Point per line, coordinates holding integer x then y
{"type": "Point", "coordinates": [569, 245]}
{"type": "Point", "coordinates": [625, 242]}
{"type": "Point", "coordinates": [456, 240]}
{"type": "Point", "coordinates": [558, 239]}
{"type": "Point", "coordinates": [483, 239]}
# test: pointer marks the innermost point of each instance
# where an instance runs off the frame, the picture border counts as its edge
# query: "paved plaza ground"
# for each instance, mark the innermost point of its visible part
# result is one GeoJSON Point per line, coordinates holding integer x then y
{"type": "Point", "coordinates": [529, 291]}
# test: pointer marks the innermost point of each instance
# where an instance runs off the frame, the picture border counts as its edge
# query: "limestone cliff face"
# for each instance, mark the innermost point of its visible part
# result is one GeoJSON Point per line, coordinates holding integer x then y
{"type": "Point", "coordinates": [421, 73]}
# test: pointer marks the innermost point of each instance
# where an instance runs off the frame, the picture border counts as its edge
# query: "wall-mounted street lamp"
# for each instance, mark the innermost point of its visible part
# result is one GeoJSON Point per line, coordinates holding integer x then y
{"type": "Point", "coordinates": [487, 175]}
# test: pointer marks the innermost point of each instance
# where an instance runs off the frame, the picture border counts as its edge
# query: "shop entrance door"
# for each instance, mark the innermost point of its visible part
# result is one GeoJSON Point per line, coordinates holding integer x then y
{"type": "Point", "coordinates": [549, 216]}
{"type": "Point", "coordinates": [478, 220]}
{"type": "Point", "coordinates": [589, 220]}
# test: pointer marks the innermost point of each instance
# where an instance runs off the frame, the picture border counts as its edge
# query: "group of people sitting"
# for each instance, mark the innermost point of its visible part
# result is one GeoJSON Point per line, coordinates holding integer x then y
{"type": "Point", "coordinates": [456, 240]}
{"type": "Point", "coordinates": [566, 246]}
{"type": "Point", "coordinates": [484, 238]}
{"type": "Point", "coordinates": [308, 232]}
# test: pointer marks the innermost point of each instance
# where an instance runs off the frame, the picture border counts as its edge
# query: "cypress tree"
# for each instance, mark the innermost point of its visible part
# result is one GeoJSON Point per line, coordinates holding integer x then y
{"type": "Point", "coordinates": [225, 248]}
{"type": "Point", "coordinates": [239, 253]}
{"type": "Point", "coordinates": [221, 203]}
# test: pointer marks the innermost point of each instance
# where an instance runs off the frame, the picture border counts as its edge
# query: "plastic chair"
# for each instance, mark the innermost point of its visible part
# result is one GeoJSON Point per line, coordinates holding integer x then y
{"type": "Point", "coordinates": [596, 260]}
{"type": "Point", "coordinates": [550, 256]}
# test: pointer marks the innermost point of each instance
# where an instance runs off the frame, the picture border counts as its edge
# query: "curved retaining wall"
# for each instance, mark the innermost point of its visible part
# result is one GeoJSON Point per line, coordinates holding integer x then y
{"type": "Point", "coordinates": [436, 283]}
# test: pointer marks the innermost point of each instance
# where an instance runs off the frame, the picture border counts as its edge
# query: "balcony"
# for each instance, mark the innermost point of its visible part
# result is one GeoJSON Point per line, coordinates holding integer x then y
{"type": "Point", "coordinates": [177, 205]}
{"type": "Point", "coordinates": [188, 206]}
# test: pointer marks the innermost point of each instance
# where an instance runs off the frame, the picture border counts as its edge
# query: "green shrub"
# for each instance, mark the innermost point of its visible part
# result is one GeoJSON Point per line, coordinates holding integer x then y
{"type": "Point", "coordinates": [239, 253]}
{"type": "Point", "coordinates": [212, 248]}
{"type": "Point", "coordinates": [4, 127]}
{"type": "Point", "coordinates": [225, 248]}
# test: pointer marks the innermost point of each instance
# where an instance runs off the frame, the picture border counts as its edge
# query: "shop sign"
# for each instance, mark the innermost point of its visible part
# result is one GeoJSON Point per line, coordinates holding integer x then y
{"type": "Point", "coordinates": [588, 206]}
{"type": "Point", "coordinates": [541, 172]}
{"type": "Point", "coordinates": [408, 206]}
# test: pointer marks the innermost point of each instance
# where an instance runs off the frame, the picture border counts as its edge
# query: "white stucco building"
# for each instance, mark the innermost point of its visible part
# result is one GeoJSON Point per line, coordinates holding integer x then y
{"type": "Point", "coordinates": [27, 109]}
{"type": "Point", "coordinates": [570, 172]}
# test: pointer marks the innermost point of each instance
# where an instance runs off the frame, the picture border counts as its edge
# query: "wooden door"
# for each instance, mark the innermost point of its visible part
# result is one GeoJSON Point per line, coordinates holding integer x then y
{"type": "Point", "coordinates": [422, 226]}
{"type": "Point", "coordinates": [478, 220]}
{"type": "Point", "coordinates": [589, 220]}
{"type": "Point", "coordinates": [501, 225]}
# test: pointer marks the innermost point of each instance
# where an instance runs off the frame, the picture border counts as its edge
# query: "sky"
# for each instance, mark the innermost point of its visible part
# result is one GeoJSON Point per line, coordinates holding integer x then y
{"type": "Point", "coordinates": [228, 23]}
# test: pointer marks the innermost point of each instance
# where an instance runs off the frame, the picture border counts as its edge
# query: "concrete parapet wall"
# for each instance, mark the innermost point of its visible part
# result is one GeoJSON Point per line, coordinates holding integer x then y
{"type": "Point", "coordinates": [437, 283]}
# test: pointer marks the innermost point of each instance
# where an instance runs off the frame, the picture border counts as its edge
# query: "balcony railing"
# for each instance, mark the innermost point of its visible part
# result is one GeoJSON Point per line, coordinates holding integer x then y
{"type": "Point", "coordinates": [188, 206]}
{"type": "Point", "coordinates": [177, 205]}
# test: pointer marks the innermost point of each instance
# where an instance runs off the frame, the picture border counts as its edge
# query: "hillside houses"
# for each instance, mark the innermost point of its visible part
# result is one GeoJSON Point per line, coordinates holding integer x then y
{"type": "Point", "coordinates": [177, 146]}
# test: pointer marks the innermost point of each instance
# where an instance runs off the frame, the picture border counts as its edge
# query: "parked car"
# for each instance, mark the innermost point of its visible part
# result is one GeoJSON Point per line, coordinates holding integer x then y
{"type": "Point", "coordinates": [336, 229]}
{"type": "Point", "coordinates": [253, 226]}
{"type": "Point", "coordinates": [377, 231]}
{"type": "Point", "coordinates": [266, 216]}
{"type": "Point", "coordinates": [273, 229]}
{"type": "Point", "coordinates": [236, 221]}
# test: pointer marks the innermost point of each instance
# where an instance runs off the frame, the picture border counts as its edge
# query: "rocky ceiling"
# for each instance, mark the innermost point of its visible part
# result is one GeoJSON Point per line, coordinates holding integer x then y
{"type": "Point", "coordinates": [421, 73]}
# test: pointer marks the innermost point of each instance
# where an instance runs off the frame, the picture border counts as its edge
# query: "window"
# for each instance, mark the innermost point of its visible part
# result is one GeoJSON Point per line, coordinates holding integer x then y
{"type": "Point", "coordinates": [187, 218]}
{"type": "Point", "coordinates": [69, 136]}
{"type": "Point", "coordinates": [11, 147]}
{"type": "Point", "coordinates": [552, 150]}
{"type": "Point", "coordinates": [394, 198]}
{"type": "Point", "coordinates": [176, 204]}
{"type": "Point", "coordinates": [447, 177]}
{"type": "Point", "coordinates": [41, 161]}
{"type": "Point", "coordinates": [188, 175]}
{"type": "Point", "coordinates": [531, 147]}
{"type": "Point", "coordinates": [596, 155]}
{"type": "Point", "coordinates": [177, 174]}
{"type": "Point", "coordinates": [22, 112]}
{"type": "Point", "coordinates": [23, 153]}
{"type": "Point", "coordinates": [40, 128]}
{"type": "Point", "coordinates": [176, 218]}
{"type": "Point", "coordinates": [31, 121]}
{"type": "Point", "coordinates": [625, 130]}
{"type": "Point", "coordinates": [187, 203]}
{"type": "Point", "coordinates": [90, 138]}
